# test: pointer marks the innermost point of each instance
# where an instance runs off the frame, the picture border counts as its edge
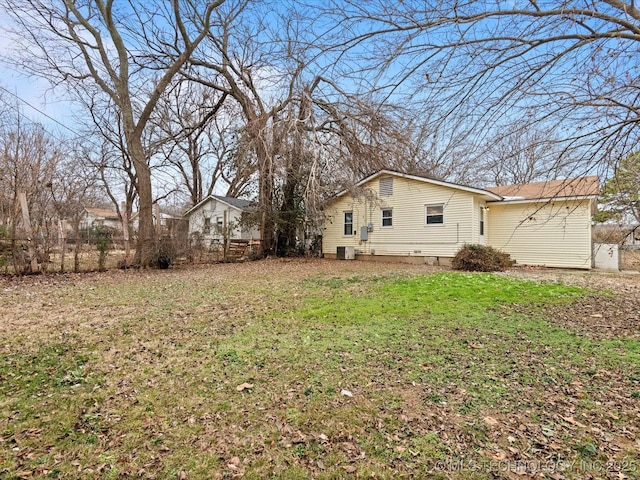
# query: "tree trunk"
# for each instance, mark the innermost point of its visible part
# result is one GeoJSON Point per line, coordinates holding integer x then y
{"type": "Point", "coordinates": [267, 227]}
{"type": "Point", "coordinates": [146, 233]}
{"type": "Point", "coordinates": [287, 221]}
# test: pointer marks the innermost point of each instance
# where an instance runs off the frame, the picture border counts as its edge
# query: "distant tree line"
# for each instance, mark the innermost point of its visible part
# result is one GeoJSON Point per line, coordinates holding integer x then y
{"type": "Point", "coordinates": [288, 103]}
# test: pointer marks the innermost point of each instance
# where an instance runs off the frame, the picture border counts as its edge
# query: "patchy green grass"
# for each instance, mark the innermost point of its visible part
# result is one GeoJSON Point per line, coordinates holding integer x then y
{"type": "Point", "coordinates": [360, 372]}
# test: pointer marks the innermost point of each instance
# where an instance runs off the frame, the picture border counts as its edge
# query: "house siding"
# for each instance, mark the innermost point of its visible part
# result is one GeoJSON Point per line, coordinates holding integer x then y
{"type": "Point", "coordinates": [553, 234]}
{"type": "Point", "coordinates": [409, 236]}
{"type": "Point", "coordinates": [212, 209]}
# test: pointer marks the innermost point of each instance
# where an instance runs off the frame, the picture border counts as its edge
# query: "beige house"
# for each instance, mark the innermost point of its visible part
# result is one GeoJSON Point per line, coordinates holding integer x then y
{"type": "Point", "coordinates": [546, 223]}
{"type": "Point", "coordinates": [391, 215]}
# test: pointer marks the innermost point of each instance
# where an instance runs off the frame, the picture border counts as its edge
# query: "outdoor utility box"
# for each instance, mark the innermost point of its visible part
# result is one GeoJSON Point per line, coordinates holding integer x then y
{"type": "Point", "coordinates": [364, 233]}
{"type": "Point", "coordinates": [606, 256]}
{"type": "Point", "coordinates": [346, 253]}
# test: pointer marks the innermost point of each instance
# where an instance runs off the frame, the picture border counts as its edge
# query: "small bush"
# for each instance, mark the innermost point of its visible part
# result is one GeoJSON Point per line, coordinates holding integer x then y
{"type": "Point", "coordinates": [480, 258]}
{"type": "Point", "coordinates": [102, 237]}
{"type": "Point", "coordinates": [164, 254]}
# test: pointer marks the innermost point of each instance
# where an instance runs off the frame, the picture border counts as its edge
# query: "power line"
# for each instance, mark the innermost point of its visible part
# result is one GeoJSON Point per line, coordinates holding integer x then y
{"type": "Point", "coordinates": [37, 110]}
{"type": "Point", "coordinates": [30, 120]}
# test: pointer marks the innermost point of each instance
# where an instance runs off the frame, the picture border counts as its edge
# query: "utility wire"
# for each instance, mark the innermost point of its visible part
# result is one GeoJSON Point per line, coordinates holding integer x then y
{"type": "Point", "coordinates": [37, 110]}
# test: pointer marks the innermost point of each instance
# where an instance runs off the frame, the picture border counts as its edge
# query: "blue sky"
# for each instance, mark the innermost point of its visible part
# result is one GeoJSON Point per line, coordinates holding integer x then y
{"type": "Point", "coordinates": [34, 96]}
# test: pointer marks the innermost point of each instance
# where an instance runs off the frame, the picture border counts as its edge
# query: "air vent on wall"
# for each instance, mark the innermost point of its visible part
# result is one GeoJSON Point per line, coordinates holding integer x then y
{"type": "Point", "coordinates": [386, 186]}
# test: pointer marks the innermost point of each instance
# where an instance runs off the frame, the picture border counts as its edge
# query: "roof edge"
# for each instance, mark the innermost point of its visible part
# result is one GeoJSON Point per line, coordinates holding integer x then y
{"type": "Point", "coordinates": [217, 198]}
{"type": "Point", "coordinates": [419, 178]}
{"type": "Point", "coordinates": [543, 200]}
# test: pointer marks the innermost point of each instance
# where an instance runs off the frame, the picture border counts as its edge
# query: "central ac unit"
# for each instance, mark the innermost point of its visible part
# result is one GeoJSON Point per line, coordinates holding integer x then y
{"type": "Point", "coordinates": [349, 253]}
{"type": "Point", "coordinates": [346, 253]}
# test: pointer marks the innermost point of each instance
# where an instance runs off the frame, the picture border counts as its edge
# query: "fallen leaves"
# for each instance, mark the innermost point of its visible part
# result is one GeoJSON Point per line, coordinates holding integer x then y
{"type": "Point", "coordinates": [407, 401]}
{"type": "Point", "coordinates": [492, 422]}
{"type": "Point", "coordinates": [234, 464]}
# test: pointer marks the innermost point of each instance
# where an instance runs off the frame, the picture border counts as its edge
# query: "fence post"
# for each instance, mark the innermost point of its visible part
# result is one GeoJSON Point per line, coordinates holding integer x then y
{"type": "Point", "coordinates": [27, 226]}
{"type": "Point", "coordinates": [125, 232]}
{"type": "Point", "coordinates": [62, 236]}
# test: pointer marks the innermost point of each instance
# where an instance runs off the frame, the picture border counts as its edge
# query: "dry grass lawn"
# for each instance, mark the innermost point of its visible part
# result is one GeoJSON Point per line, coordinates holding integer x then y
{"type": "Point", "coordinates": [320, 369]}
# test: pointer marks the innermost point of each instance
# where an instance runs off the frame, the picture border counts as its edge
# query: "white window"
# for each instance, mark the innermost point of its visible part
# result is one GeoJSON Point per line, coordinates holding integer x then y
{"type": "Point", "coordinates": [386, 186]}
{"type": "Point", "coordinates": [387, 217]}
{"type": "Point", "coordinates": [219, 222]}
{"type": "Point", "coordinates": [482, 220]}
{"type": "Point", "coordinates": [434, 214]}
{"type": "Point", "coordinates": [207, 226]}
{"type": "Point", "coordinates": [348, 223]}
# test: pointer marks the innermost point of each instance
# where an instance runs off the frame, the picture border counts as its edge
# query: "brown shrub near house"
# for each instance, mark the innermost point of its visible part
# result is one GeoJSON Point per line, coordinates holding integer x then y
{"type": "Point", "coordinates": [481, 258]}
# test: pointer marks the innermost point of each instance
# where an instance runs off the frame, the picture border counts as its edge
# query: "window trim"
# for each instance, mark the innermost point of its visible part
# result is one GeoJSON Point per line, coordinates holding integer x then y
{"type": "Point", "coordinates": [382, 217]}
{"type": "Point", "coordinates": [345, 223]}
{"type": "Point", "coordinates": [426, 216]}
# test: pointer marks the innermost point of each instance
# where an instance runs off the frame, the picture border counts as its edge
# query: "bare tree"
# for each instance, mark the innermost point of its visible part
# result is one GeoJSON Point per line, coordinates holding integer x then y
{"type": "Point", "coordinates": [238, 62]}
{"type": "Point", "coordinates": [567, 67]}
{"type": "Point", "coordinates": [522, 157]}
{"type": "Point", "coordinates": [294, 118]}
{"type": "Point", "coordinates": [29, 158]}
{"type": "Point", "coordinates": [129, 53]}
{"type": "Point", "coordinates": [197, 133]}
{"type": "Point", "coordinates": [71, 193]}
{"type": "Point", "coordinates": [107, 153]}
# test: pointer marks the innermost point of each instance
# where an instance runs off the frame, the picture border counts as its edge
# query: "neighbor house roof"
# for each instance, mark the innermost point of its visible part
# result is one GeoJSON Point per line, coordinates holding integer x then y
{"type": "Point", "coordinates": [235, 202]}
{"type": "Point", "coordinates": [101, 212]}
{"type": "Point", "coordinates": [489, 195]}
{"type": "Point", "coordinates": [238, 203]}
{"type": "Point", "coordinates": [567, 188]}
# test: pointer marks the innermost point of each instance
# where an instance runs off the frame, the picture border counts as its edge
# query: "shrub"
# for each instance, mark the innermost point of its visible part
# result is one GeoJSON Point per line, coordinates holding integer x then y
{"type": "Point", "coordinates": [164, 254]}
{"type": "Point", "coordinates": [480, 258]}
{"type": "Point", "coordinates": [102, 237]}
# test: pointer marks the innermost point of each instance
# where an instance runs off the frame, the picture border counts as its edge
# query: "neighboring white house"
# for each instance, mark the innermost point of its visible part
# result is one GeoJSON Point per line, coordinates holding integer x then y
{"type": "Point", "coordinates": [215, 215]}
{"type": "Point", "coordinates": [167, 220]}
{"type": "Point", "coordinates": [391, 214]}
{"type": "Point", "coordinates": [94, 217]}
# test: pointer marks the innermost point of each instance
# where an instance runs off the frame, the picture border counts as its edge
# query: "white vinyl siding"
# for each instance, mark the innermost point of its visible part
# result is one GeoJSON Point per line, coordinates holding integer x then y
{"type": "Point", "coordinates": [552, 234]}
{"type": "Point", "coordinates": [208, 221]}
{"type": "Point", "coordinates": [556, 234]}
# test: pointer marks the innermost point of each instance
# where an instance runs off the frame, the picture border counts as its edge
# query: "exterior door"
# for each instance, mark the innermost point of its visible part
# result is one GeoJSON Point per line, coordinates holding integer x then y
{"type": "Point", "coordinates": [482, 227]}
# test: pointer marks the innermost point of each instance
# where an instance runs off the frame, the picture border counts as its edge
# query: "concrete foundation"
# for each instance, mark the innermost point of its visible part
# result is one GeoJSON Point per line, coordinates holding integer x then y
{"type": "Point", "coordinates": [412, 259]}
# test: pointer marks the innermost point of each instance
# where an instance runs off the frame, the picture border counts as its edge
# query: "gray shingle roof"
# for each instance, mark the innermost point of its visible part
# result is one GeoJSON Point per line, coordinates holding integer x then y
{"type": "Point", "coordinates": [236, 202]}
